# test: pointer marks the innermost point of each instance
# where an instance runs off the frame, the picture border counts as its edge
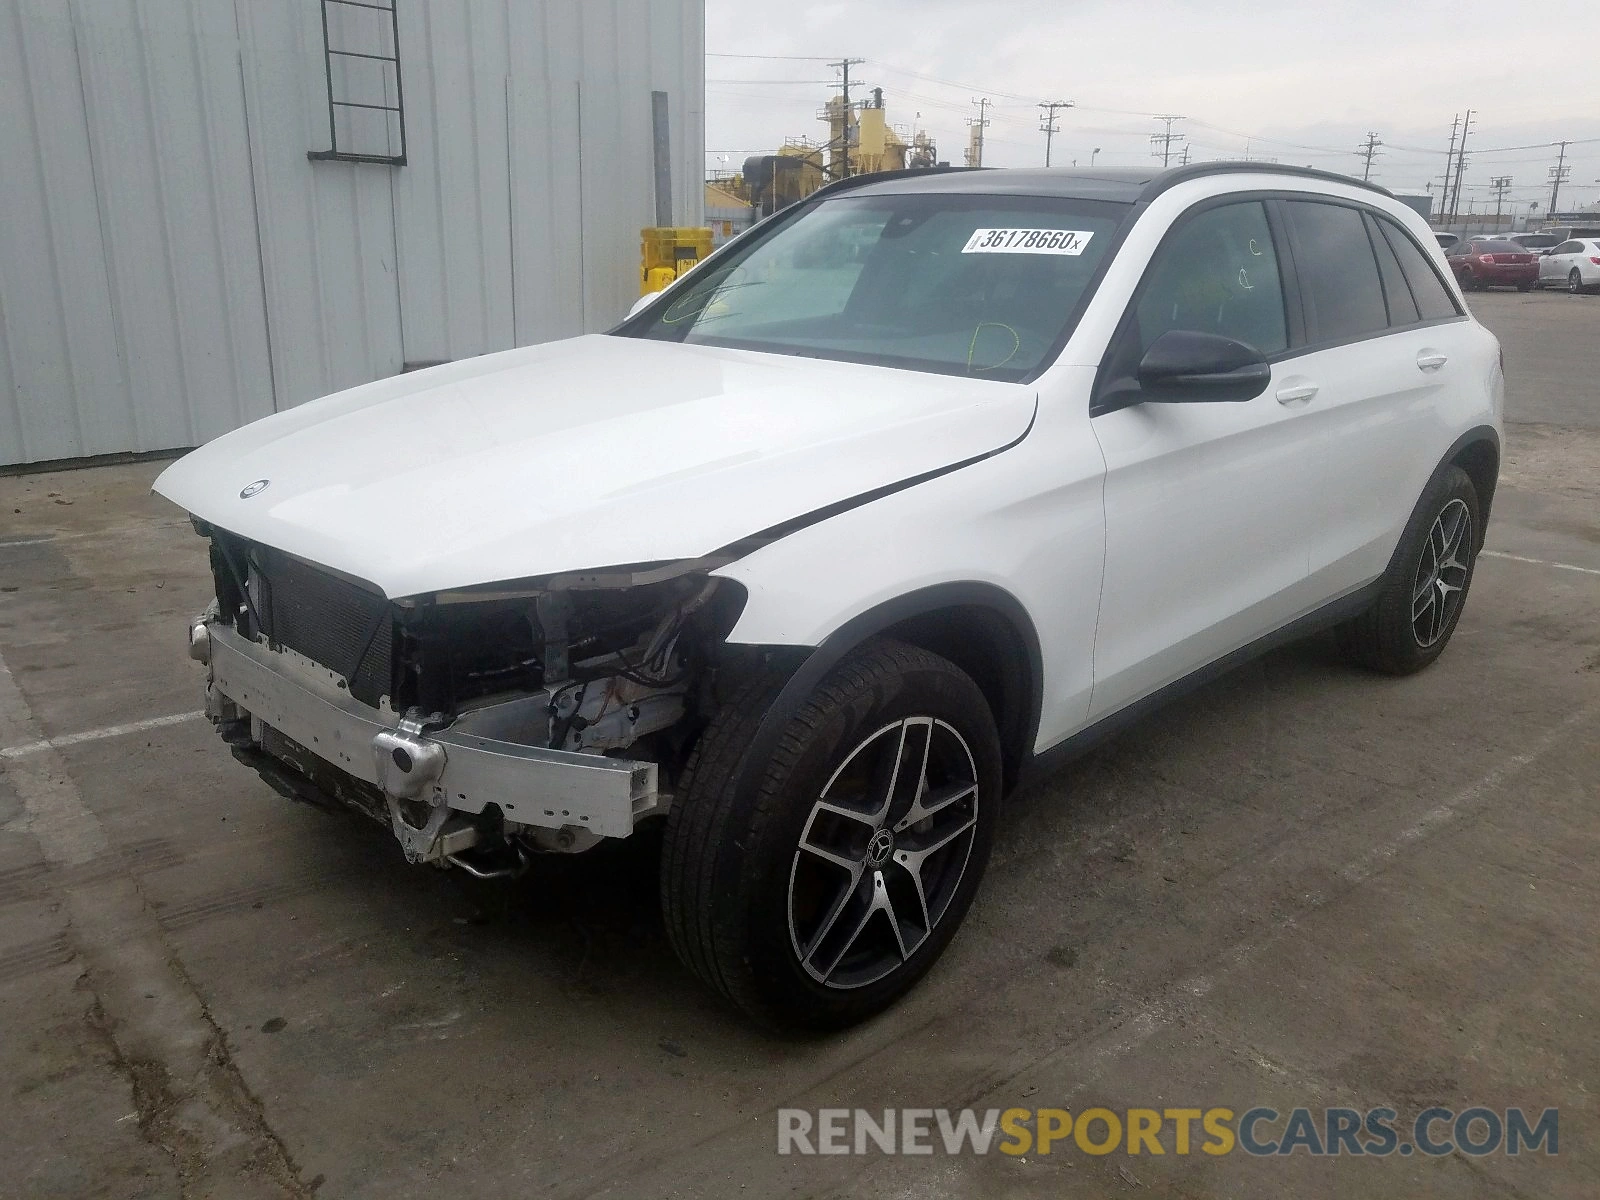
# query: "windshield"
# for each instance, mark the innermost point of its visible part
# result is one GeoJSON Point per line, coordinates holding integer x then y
{"type": "Point", "coordinates": [966, 285]}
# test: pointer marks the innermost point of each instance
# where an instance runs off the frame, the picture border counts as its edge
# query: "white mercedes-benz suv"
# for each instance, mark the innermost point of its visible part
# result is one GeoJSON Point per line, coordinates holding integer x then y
{"type": "Point", "coordinates": [915, 488]}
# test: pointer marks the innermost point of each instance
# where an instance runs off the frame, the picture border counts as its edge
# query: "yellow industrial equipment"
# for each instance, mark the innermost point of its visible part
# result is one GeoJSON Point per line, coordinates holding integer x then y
{"type": "Point", "coordinates": [667, 252]}
{"type": "Point", "coordinates": [860, 142]}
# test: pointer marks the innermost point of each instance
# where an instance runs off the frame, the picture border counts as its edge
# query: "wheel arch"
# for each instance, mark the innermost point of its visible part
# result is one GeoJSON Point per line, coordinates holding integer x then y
{"type": "Point", "coordinates": [980, 627]}
{"type": "Point", "coordinates": [1477, 452]}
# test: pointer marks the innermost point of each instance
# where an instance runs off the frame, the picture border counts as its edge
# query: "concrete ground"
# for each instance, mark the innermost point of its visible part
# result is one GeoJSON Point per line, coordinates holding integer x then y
{"type": "Point", "coordinates": [1303, 886]}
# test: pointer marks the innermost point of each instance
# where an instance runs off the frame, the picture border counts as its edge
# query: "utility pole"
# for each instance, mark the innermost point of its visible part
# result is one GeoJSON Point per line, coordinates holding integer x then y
{"type": "Point", "coordinates": [1461, 161]}
{"type": "Point", "coordinates": [980, 123]}
{"type": "Point", "coordinates": [1369, 151]}
{"type": "Point", "coordinates": [1501, 185]}
{"type": "Point", "coordinates": [844, 65]}
{"type": "Point", "coordinates": [1558, 175]}
{"type": "Point", "coordinates": [1047, 123]}
{"type": "Point", "coordinates": [1165, 139]}
{"type": "Point", "coordinates": [1184, 161]}
{"type": "Point", "coordinates": [1449, 166]}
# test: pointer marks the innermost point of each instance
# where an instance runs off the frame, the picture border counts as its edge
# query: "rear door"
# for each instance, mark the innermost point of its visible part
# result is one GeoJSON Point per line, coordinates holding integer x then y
{"type": "Point", "coordinates": [1385, 340]}
{"type": "Point", "coordinates": [1207, 504]}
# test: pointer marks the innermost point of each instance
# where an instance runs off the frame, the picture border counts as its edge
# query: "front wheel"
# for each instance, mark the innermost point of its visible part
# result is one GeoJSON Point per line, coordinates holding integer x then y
{"type": "Point", "coordinates": [820, 896]}
{"type": "Point", "coordinates": [1425, 589]}
{"type": "Point", "coordinates": [1575, 282]}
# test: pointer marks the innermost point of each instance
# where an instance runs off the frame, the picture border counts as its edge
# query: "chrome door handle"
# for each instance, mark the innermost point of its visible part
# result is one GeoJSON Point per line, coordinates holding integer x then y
{"type": "Point", "coordinates": [1299, 392]}
{"type": "Point", "coordinates": [1431, 360]}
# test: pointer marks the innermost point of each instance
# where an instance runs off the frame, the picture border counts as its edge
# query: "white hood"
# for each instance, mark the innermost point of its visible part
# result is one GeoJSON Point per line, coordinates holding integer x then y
{"type": "Point", "coordinates": [592, 452]}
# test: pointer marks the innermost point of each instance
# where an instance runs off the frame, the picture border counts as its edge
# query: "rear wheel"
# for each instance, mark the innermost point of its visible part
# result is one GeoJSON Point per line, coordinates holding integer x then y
{"type": "Point", "coordinates": [1410, 623]}
{"type": "Point", "coordinates": [823, 895]}
{"type": "Point", "coordinates": [1525, 287]}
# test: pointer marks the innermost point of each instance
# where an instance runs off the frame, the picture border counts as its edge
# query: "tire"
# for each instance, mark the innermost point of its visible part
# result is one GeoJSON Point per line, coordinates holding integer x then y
{"type": "Point", "coordinates": [1403, 631]}
{"type": "Point", "coordinates": [1575, 282]}
{"type": "Point", "coordinates": [796, 901]}
{"type": "Point", "coordinates": [1524, 287]}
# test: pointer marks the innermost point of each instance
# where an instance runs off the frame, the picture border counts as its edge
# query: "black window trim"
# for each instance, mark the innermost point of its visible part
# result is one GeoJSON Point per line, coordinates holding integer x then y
{"type": "Point", "coordinates": [1293, 295]}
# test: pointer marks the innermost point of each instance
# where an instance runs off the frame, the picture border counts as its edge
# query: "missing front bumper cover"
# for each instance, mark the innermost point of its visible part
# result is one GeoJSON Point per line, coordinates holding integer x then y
{"type": "Point", "coordinates": [437, 785]}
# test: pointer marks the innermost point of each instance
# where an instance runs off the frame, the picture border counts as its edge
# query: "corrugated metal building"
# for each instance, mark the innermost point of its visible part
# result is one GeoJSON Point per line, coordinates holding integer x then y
{"type": "Point", "coordinates": [173, 264]}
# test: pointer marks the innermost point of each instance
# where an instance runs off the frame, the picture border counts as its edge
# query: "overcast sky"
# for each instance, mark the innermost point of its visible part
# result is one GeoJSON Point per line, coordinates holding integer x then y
{"type": "Point", "coordinates": [1295, 80]}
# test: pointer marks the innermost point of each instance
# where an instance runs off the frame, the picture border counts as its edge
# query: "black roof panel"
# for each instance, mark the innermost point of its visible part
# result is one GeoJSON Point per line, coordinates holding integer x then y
{"type": "Point", "coordinates": [1128, 186]}
{"type": "Point", "coordinates": [1013, 181]}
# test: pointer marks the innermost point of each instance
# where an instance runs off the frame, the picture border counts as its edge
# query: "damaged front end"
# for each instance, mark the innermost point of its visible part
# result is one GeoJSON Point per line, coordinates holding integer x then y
{"type": "Point", "coordinates": [480, 724]}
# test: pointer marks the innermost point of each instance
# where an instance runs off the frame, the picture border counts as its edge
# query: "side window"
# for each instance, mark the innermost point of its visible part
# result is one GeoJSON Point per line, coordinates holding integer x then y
{"type": "Point", "coordinates": [1217, 273]}
{"type": "Point", "coordinates": [1402, 308]}
{"type": "Point", "coordinates": [1568, 248]}
{"type": "Point", "coordinates": [1338, 272]}
{"type": "Point", "coordinates": [1434, 301]}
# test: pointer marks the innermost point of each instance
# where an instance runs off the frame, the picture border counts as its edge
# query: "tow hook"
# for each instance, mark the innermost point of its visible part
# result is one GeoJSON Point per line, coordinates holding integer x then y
{"type": "Point", "coordinates": [200, 635]}
{"type": "Point", "coordinates": [409, 766]}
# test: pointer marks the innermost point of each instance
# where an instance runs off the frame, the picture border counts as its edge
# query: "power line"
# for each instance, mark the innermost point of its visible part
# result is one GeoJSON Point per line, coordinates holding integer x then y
{"type": "Point", "coordinates": [1449, 165]}
{"type": "Point", "coordinates": [1047, 123]}
{"type": "Point", "coordinates": [769, 57]}
{"type": "Point", "coordinates": [1501, 185]}
{"type": "Point", "coordinates": [979, 124]}
{"type": "Point", "coordinates": [1165, 139]}
{"type": "Point", "coordinates": [965, 87]}
{"type": "Point", "coordinates": [1461, 161]}
{"type": "Point", "coordinates": [844, 65]}
{"type": "Point", "coordinates": [1369, 151]}
{"type": "Point", "coordinates": [1558, 175]}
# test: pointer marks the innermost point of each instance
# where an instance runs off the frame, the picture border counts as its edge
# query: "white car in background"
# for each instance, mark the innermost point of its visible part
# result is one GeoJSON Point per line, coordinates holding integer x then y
{"type": "Point", "coordinates": [918, 487]}
{"type": "Point", "coordinates": [1538, 243]}
{"type": "Point", "coordinates": [1574, 265]}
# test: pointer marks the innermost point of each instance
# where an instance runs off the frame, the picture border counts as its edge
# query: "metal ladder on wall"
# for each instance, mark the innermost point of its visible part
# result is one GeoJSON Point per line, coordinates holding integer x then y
{"type": "Point", "coordinates": [362, 13]}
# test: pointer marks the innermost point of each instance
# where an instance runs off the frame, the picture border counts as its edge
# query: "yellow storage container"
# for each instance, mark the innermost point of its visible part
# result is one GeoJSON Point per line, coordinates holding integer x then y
{"type": "Point", "coordinates": [665, 253]}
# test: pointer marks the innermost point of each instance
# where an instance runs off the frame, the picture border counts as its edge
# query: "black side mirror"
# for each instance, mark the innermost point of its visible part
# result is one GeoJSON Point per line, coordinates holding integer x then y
{"type": "Point", "coordinates": [1182, 366]}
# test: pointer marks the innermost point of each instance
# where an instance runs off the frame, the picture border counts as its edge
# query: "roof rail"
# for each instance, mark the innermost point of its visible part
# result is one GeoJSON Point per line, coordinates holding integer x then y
{"type": "Point", "coordinates": [1177, 175]}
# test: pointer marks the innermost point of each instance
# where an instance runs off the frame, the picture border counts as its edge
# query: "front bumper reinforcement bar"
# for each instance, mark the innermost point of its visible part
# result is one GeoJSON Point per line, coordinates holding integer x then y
{"type": "Point", "coordinates": [445, 772]}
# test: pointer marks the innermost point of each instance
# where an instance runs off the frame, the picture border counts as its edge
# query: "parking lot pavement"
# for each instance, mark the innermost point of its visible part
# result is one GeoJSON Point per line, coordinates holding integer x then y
{"type": "Point", "coordinates": [1302, 886]}
{"type": "Point", "coordinates": [1550, 343]}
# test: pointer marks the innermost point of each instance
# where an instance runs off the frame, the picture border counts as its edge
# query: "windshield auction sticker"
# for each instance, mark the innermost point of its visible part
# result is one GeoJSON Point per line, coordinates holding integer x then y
{"type": "Point", "coordinates": [1027, 241]}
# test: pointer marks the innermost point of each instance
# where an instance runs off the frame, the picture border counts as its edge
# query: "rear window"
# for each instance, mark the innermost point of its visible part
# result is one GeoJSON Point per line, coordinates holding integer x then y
{"type": "Point", "coordinates": [1402, 307]}
{"type": "Point", "coordinates": [1536, 241]}
{"type": "Point", "coordinates": [1338, 271]}
{"type": "Point", "coordinates": [1501, 247]}
{"type": "Point", "coordinates": [1434, 301]}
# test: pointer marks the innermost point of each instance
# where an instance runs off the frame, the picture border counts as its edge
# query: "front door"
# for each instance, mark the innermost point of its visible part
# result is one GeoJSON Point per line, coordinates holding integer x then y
{"type": "Point", "coordinates": [1553, 267]}
{"type": "Point", "coordinates": [1207, 504]}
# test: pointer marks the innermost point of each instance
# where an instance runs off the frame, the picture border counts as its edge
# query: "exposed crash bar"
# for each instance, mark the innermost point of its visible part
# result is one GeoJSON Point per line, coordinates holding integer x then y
{"type": "Point", "coordinates": [531, 785]}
